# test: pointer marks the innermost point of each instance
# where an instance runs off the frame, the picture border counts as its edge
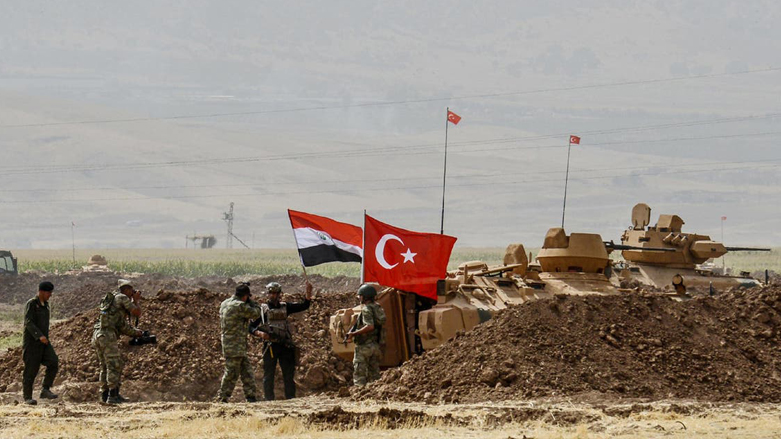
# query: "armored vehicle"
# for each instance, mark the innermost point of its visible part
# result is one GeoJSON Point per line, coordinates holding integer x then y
{"type": "Point", "coordinates": [676, 269]}
{"type": "Point", "coordinates": [574, 264]}
{"type": "Point", "coordinates": [8, 263]}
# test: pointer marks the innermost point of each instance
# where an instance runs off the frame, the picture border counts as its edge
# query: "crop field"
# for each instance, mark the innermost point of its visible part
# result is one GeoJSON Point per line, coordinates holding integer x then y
{"type": "Point", "coordinates": [222, 262]}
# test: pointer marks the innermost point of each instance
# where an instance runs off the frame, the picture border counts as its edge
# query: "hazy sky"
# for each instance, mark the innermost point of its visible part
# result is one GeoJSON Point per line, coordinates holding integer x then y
{"type": "Point", "coordinates": [141, 121]}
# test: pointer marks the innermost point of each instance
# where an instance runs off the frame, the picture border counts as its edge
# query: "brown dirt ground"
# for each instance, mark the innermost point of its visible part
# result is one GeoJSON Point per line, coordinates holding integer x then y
{"type": "Point", "coordinates": [638, 345]}
{"type": "Point", "coordinates": [186, 364]}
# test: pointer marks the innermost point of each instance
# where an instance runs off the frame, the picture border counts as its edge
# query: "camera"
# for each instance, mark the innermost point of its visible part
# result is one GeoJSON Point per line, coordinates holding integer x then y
{"type": "Point", "coordinates": [145, 338]}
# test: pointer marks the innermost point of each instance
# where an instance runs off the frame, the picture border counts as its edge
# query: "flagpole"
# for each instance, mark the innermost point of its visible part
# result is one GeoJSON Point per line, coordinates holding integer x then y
{"type": "Point", "coordinates": [566, 180]}
{"type": "Point", "coordinates": [444, 177]}
{"type": "Point", "coordinates": [73, 241]}
{"type": "Point", "coordinates": [723, 257]}
{"type": "Point", "coordinates": [363, 245]}
{"type": "Point", "coordinates": [295, 239]}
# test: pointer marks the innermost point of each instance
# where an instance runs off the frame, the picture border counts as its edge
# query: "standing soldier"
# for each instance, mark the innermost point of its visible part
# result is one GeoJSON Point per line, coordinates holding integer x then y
{"type": "Point", "coordinates": [115, 311]}
{"type": "Point", "coordinates": [235, 315]}
{"type": "Point", "coordinates": [36, 347]}
{"type": "Point", "coordinates": [366, 361]}
{"type": "Point", "coordinates": [273, 328]}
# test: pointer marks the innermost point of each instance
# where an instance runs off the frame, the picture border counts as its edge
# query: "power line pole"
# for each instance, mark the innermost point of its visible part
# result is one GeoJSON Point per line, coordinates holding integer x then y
{"type": "Point", "coordinates": [228, 217]}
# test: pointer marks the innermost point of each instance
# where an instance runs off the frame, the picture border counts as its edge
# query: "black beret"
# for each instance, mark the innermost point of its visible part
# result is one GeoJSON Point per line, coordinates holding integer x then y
{"type": "Point", "coordinates": [46, 286]}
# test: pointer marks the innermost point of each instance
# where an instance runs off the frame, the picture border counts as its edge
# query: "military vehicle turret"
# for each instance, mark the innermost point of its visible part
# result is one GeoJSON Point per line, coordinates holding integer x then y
{"type": "Point", "coordinates": [473, 293]}
{"type": "Point", "coordinates": [676, 269]}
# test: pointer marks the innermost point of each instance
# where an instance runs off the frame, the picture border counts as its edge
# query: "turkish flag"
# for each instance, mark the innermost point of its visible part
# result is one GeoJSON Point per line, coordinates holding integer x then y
{"type": "Point", "coordinates": [453, 117]}
{"type": "Point", "coordinates": [409, 261]}
{"type": "Point", "coordinates": [574, 139]}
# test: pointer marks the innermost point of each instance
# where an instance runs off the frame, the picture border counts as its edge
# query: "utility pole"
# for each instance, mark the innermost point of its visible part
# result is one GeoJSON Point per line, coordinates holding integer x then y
{"type": "Point", "coordinates": [228, 217]}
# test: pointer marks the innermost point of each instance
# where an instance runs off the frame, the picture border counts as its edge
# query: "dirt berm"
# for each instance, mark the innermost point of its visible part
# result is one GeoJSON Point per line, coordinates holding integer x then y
{"type": "Point", "coordinates": [631, 346]}
{"type": "Point", "coordinates": [78, 291]}
{"type": "Point", "coordinates": [186, 364]}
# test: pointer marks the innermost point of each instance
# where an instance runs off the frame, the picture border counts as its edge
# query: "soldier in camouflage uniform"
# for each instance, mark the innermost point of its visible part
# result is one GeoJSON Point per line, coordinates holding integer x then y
{"type": "Point", "coordinates": [366, 360]}
{"type": "Point", "coordinates": [235, 316]}
{"type": "Point", "coordinates": [115, 311]}
{"type": "Point", "coordinates": [37, 349]}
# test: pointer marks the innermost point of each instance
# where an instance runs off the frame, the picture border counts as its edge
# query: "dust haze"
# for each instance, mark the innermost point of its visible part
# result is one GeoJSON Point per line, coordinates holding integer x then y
{"type": "Point", "coordinates": [141, 122]}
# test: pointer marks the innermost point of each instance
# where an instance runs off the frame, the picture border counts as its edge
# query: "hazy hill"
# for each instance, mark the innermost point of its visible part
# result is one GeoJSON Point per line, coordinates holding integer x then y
{"type": "Point", "coordinates": [150, 181]}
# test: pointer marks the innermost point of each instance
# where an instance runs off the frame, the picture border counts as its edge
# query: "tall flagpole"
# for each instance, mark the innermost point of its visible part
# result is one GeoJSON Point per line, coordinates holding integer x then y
{"type": "Point", "coordinates": [73, 240]}
{"type": "Point", "coordinates": [723, 257]}
{"type": "Point", "coordinates": [444, 176]}
{"type": "Point", "coordinates": [566, 180]}
{"type": "Point", "coordinates": [363, 245]}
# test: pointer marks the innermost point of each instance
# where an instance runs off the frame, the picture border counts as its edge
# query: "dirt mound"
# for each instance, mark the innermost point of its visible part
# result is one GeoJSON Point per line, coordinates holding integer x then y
{"type": "Point", "coordinates": [638, 345]}
{"type": "Point", "coordinates": [81, 291]}
{"type": "Point", "coordinates": [187, 363]}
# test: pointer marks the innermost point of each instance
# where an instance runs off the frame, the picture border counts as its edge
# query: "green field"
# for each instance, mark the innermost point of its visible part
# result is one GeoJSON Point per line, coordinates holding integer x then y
{"type": "Point", "coordinates": [221, 262]}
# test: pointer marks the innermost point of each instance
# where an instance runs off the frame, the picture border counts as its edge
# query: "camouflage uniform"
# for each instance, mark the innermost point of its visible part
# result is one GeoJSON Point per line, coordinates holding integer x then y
{"type": "Point", "coordinates": [235, 316]}
{"type": "Point", "coordinates": [115, 310]}
{"type": "Point", "coordinates": [366, 361]}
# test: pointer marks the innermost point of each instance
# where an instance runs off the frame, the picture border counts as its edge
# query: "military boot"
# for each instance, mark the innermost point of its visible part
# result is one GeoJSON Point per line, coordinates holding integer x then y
{"type": "Point", "coordinates": [113, 397]}
{"type": "Point", "coordinates": [104, 396]}
{"type": "Point", "coordinates": [120, 397]}
{"type": "Point", "coordinates": [251, 399]}
{"type": "Point", "coordinates": [48, 394]}
{"type": "Point", "coordinates": [30, 401]}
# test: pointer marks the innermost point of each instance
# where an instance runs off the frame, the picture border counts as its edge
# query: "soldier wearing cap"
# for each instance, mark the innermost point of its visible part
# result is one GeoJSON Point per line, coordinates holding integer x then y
{"type": "Point", "coordinates": [37, 350]}
{"type": "Point", "coordinates": [115, 311]}
{"type": "Point", "coordinates": [367, 335]}
{"type": "Point", "coordinates": [235, 314]}
{"type": "Point", "coordinates": [272, 326]}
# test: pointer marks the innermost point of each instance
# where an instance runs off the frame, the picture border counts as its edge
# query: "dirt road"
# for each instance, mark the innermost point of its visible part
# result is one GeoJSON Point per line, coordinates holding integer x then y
{"type": "Point", "coordinates": [319, 417]}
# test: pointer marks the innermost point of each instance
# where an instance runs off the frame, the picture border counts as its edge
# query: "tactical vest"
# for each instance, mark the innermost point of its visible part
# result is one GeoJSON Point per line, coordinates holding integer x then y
{"type": "Point", "coordinates": [276, 320]}
{"type": "Point", "coordinates": [379, 334]}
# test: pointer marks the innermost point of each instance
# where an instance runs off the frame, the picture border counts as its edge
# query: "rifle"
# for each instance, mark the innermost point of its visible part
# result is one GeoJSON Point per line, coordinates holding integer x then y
{"type": "Point", "coordinates": [352, 328]}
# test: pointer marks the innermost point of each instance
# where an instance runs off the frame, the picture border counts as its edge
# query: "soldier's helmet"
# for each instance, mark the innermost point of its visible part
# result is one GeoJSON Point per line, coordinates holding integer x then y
{"type": "Point", "coordinates": [367, 291]}
{"type": "Point", "coordinates": [124, 283]}
{"type": "Point", "coordinates": [274, 287]}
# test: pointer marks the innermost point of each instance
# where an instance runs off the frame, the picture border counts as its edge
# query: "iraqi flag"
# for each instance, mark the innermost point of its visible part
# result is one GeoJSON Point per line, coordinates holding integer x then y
{"type": "Point", "coordinates": [320, 239]}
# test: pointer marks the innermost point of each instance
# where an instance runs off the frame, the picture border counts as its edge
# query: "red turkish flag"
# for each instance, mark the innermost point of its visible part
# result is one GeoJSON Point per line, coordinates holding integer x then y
{"type": "Point", "coordinates": [409, 261]}
{"type": "Point", "coordinates": [453, 117]}
{"type": "Point", "coordinates": [574, 139]}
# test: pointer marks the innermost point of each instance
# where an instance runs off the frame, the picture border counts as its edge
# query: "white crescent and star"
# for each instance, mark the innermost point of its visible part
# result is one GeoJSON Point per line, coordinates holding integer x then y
{"type": "Point", "coordinates": [379, 252]}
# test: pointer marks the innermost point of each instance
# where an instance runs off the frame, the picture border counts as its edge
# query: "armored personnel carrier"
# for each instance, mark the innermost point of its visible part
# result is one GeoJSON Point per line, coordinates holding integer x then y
{"type": "Point", "coordinates": [676, 269]}
{"type": "Point", "coordinates": [473, 293]}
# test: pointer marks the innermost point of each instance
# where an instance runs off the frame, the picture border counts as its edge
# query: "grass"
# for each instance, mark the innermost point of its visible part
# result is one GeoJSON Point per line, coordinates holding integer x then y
{"type": "Point", "coordinates": [228, 263]}
{"type": "Point", "coordinates": [150, 420]}
{"type": "Point", "coordinates": [214, 262]}
{"type": "Point", "coordinates": [11, 341]}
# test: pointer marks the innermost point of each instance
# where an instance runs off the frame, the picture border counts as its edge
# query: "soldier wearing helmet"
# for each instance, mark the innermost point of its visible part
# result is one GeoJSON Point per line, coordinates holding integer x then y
{"type": "Point", "coordinates": [367, 335]}
{"type": "Point", "coordinates": [278, 346]}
